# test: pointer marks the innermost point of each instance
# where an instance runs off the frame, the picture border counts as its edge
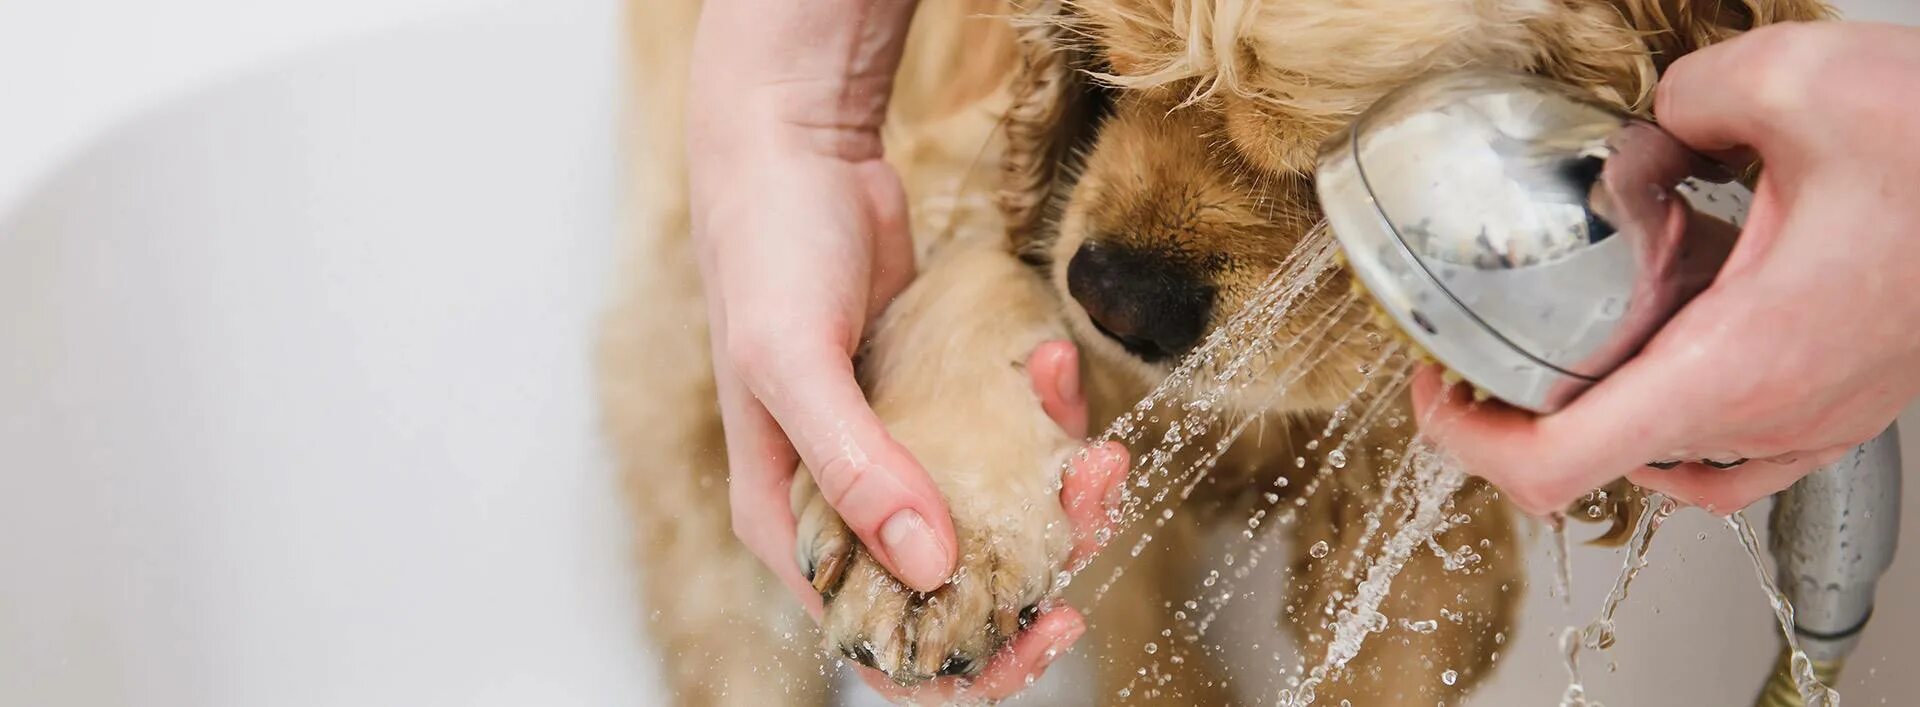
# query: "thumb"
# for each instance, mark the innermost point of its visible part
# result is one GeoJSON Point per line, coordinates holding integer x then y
{"type": "Point", "coordinates": [1738, 97]}
{"type": "Point", "coordinates": [872, 481]}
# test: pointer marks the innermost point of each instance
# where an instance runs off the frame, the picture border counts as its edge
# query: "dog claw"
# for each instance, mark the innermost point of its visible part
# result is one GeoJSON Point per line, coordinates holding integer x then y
{"type": "Point", "coordinates": [831, 568]}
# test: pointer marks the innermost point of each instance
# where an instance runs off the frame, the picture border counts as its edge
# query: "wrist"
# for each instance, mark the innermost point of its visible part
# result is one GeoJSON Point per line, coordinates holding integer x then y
{"type": "Point", "coordinates": [813, 75]}
{"type": "Point", "coordinates": [791, 119]}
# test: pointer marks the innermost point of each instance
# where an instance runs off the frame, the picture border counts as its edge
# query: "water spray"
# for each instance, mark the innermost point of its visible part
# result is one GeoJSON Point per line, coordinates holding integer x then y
{"type": "Point", "coordinates": [1531, 239]}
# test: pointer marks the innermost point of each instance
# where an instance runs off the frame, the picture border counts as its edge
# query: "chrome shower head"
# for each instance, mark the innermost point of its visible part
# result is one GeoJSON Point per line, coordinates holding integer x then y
{"type": "Point", "coordinates": [1530, 238]}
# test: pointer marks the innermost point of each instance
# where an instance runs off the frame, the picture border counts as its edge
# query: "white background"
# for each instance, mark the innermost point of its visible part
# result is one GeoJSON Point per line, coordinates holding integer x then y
{"type": "Point", "coordinates": [295, 405]}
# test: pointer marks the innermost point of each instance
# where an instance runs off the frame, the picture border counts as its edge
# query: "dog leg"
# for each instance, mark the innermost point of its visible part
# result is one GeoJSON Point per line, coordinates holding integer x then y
{"type": "Point", "coordinates": [946, 370]}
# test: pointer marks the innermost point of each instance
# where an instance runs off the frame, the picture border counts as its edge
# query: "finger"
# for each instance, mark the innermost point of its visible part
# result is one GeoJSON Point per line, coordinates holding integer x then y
{"type": "Point", "coordinates": [875, 485]}
{"type": "Point", "coordinates": [1644, 410]}
{"type": "Point", "coordinates": [1054, 368]}
{"type": "Point", "coordinates": [1724, 491]}
{"type": "Point", "coordinates": [760, 468]}
{"type": "Point", "coordinates": [1497, 442]}
{"type": "Point", "coordinates": [1088, 491]}
{"type": "Point", "coordinates": [1727, 98]}
{"type": "Point", "coordinates": [1050, 636]}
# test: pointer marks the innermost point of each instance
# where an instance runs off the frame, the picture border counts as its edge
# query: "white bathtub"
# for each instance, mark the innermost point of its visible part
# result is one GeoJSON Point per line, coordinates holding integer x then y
{"type": "Point", "coordinates": [294, 384]}
{"type": "Point", "coordinates": [295, 402]}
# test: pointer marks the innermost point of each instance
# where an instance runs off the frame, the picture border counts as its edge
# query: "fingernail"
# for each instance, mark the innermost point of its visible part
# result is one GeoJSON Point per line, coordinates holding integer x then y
{"type": "Point", "coordinates": [916, 555]}
{"type": "Point", "coordinates": [1070, 376]}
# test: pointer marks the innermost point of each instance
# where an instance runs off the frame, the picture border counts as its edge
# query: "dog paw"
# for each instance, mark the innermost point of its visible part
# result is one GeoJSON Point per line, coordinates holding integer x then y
{"type": "Point", "coordinates": [1010, 558]}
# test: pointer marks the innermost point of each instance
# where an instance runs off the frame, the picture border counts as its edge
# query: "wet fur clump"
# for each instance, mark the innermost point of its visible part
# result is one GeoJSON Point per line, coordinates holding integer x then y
{"type": "Point", "coordinates": [1056, 154]}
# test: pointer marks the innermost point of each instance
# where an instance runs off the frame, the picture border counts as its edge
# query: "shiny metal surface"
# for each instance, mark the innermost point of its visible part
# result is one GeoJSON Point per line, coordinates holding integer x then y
{"type": "Point", "coordinates": [1529, 237]}
{"type": "Point", "coordinates": [1832, 535]}
{"type": "Point", "coordinates": [1533, 240]}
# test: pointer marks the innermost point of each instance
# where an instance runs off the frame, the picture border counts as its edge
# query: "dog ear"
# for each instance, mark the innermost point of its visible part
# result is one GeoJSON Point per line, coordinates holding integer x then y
{"type": "Point", "coordinates": [1055, 113]}
{"type": "Point", "coordinates": [1672, 28]}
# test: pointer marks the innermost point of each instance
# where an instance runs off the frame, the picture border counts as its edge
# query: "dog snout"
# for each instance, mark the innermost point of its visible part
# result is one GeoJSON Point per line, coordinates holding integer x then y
{"type": "Point", "coordinates": [1156, 308]}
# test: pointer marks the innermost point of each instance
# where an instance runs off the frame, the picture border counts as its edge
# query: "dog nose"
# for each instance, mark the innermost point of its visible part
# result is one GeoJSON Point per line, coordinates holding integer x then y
{"type": "Point", "coordinates": [1154, 307]}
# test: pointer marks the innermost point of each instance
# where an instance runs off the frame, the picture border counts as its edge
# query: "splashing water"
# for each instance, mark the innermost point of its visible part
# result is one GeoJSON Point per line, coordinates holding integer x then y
{"type": "Point", "coordinates": [1199, 613]}
{"type": "Point", "coordinates": [1598, 634]}
{"type": "Point", "coordinates": [1233, 356]}
{"type": "Point", "coordinates": [1242, 352]}
{"type": "Point", "coordinates": [1435, 480]}
{"type": "Point", "coordinates": [1576, 694]}
{"type": "Point", "coordinates": [1562, 554]}
{"type": "Point", "coordinates": [1812, 692]}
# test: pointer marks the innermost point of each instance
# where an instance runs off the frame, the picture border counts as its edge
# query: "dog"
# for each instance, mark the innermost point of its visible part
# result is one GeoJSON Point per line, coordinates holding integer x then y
{"type": "Point", "coordinates": [1147, 164]}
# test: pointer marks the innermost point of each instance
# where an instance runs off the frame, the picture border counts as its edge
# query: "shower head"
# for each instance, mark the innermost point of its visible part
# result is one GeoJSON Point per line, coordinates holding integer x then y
{"type": "Point", "coordinates": [1528, 237]}
{"type": "Point", "coordinates": [1532, 239]}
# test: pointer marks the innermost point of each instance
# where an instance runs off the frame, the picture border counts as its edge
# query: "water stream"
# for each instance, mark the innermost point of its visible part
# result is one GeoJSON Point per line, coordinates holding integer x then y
{"type": "Point", "coordinates": [1812, 692]}
{"type": "Point", "coordinates": [1435, 479]}
{"type": "Point", "coordinates": [1191, 409]}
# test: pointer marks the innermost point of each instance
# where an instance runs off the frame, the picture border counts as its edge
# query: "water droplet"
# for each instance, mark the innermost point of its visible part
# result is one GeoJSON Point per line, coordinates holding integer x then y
{"type": "Point", "coordinates": [1152, 648]}
{"type": "Point", "coordinates": [1337, 458]}
{"type": "Point", "coordinates": [1449, 677]}
{"type": "Point", "coordinates": [1319, 549]}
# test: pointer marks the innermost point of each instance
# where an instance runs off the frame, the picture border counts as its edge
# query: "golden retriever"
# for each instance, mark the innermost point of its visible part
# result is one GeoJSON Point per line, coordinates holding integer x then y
{"type": "Point", "coordinates": [1147, 164]}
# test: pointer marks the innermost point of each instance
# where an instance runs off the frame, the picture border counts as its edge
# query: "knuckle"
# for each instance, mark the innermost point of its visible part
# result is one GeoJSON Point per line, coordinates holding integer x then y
{"type": "Point", "coordinates": [1776, 70]}
{"type": "Point", "coordinates": [840, 477]}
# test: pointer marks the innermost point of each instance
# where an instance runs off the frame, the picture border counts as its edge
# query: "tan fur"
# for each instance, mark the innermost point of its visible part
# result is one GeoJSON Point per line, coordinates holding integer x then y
{"type": "Point", "coordinates": [1203, 157]}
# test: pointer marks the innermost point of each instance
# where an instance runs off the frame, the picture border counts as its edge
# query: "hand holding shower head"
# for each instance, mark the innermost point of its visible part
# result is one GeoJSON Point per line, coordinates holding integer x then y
{"type": "Point", "coordinates": [1530, 238]}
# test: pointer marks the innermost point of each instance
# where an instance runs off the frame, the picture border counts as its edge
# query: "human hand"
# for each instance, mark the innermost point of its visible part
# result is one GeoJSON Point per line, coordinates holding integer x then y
{"type": "Point", "coordinates": [1087, 492]}
{"type": "Point", "coordinates": [1807, 344]}
{"type": "Point", "coordinates": [800, 229]}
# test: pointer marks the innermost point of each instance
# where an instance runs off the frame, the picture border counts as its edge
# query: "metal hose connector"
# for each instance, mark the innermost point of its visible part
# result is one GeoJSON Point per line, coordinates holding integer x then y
{"type": "Point", "coordinates": [1780, 690]}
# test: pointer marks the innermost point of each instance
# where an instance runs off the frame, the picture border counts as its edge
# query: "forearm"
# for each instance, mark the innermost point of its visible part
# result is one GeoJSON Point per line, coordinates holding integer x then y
{"type": "Point", "coordinates": [815, 72]}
